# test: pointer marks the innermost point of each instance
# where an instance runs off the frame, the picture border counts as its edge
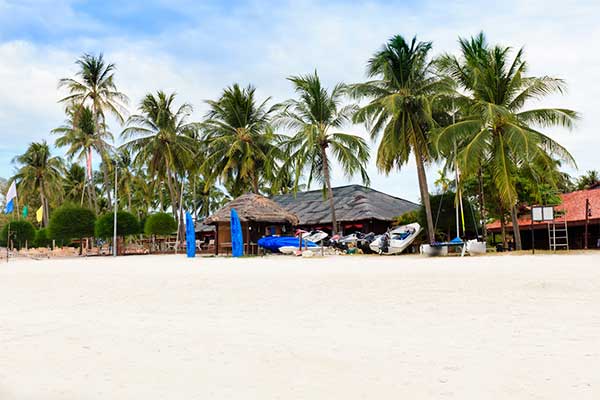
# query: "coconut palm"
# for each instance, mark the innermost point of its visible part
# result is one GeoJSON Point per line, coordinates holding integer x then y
{"type": "Point", "coordinates": [95, 88]}
{"type": "Point", "coordinates": [81, 134]}
{"type": "Point", "coordinates": [498, 131]}
{"type": "Point", "coordinates": [400, 108]}
{"type": "Point", "coordinates": [74, 184]}
{"type": "Point", "coordinates": [39, 171]}
{"type": "Point", "coordinates": [161, 139]}
{"type": "Point", "coordinates": [241, 143]}
{"type": "Point", "coordinates": [315, 119]}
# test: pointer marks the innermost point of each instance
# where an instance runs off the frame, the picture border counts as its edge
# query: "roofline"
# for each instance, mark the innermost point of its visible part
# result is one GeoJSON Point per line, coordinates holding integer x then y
{"type": "Point", "coordinates": [349, 185]}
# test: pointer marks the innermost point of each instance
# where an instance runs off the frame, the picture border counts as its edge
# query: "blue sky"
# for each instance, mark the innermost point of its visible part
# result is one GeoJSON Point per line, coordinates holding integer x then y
{"type": "Point", "coordinates": [197, 48]}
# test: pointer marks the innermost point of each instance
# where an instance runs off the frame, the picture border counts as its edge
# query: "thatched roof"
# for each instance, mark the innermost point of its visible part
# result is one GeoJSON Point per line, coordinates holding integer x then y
{"type": "Point", "coordinates": [352, 203]}
{"type": "Point", "coordinates": [255, 208]}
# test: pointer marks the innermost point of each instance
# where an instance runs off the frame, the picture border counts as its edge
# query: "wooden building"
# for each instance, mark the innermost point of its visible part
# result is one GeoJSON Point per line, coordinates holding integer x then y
{"type": "Point", "coordinates": [259, 217]}
{"type": "Point", "coordinates": [572, 211]}
{"type": "Point", "coordinates": [357, 208]}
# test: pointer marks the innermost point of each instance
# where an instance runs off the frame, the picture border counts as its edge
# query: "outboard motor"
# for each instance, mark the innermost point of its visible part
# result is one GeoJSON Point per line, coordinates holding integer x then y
{"type": "Point", "coordinates": [385, 243]}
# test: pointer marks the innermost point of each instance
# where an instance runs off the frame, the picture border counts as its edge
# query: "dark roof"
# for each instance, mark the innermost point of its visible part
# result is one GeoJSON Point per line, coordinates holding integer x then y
{"type": "Point", "coordinates": [352, 203]}
{"type": "Point", "coordinates": [253, 207]}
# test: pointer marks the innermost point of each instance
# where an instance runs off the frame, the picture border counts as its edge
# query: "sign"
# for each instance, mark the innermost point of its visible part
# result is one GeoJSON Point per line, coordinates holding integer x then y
{"type": "Point", "coordinates": [542, 213]}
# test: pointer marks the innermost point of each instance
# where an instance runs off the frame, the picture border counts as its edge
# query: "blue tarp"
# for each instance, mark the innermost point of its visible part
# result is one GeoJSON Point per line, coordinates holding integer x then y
{"type": "Point", "coordinates": [273, 243]}
{"type": "Point", "coordinates": [190, 235]}
{"type": "Point", "coordinates": [237, 240]}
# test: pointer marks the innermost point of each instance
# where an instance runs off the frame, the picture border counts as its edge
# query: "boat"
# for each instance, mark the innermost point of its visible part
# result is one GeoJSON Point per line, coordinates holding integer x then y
{"type": "Point", "coordinates": [283, 244]}
{"type": "Point", "coordinates": [396, 240]}
{"type": "Point", "coordinates": [475, 247]}
{"type": "Point", "coordinates": [314, 236]}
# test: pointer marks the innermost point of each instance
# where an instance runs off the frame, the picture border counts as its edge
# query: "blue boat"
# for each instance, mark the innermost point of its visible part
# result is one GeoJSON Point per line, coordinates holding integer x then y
{"type": "Point", "coordinates": [274, 243]}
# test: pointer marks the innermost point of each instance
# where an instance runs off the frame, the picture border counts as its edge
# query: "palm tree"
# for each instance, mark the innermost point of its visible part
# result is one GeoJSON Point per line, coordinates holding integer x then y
{"type": "Point", "coordinates": [315, 118]}
{"type": "Point", "coordinates": [591, 178]}
{"type": "Point", "coordinates": [39, 171]}
{"type": "Point", "coordinates": [400, 108]}
{"type": "Point", "coordinates": [498, 131]}
{"type": "Point", "coordinates": [96, 88]}
{"type": "Point", "coordinates": [81, 134]}
{"type": "Point", "coordinates": [241, 143]}
{"type": "Point", "coordinates": [74, 184]}
{"type": "Point", "coordinates": [161, 139]}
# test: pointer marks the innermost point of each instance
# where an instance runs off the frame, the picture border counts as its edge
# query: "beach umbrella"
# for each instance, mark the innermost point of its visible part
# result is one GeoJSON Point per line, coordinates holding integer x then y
{"type": "Point", "coordinates": [190, 235]}
{"type": "Point", "coordinates": [237, 241]}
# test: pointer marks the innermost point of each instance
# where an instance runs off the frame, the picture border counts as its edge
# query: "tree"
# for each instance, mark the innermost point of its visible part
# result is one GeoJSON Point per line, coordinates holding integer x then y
{"type": "Point", "coordinates": [400, 108]}
{"type": "Point", "coordinates": [72, 222]}
{"type": "Point", "coordinates": [161, 139]}
{"type": "Point", "coordinates": [160, 224]}
{"type": "Point", "coordinates": [74, 184]}
{"type": "Point", "coordinates": [81, 134]}
{"type": "Point", "coordinates": [315, 119]}
{"type": "Point", "coordinates": [96, 88]}
{"type": "Point", "coordinates": [40, 172]}
{"type": "Point", "coordinates": [591, 178]}
{"type": "Point", "coordinates": [127, 224]}
{"type": "Point", "coordinates": [241, 142]}
{"type": "Point", "coordinates": [498, 131]}
{"type": "Point", "coordinates": [21, 232]}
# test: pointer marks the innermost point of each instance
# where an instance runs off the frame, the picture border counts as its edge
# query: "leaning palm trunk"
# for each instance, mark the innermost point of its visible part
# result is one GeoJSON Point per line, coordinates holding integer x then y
{"type": "Point", "coordinates": [107, 185]}
{"type": "Point", "coordinates": [516, 230]}
{"type": "Point", "coordinates": [425, 194]}
{"type": "Point", "coordinates": [327, 177]}
{"type": "Point", "coordinates": [482, 206]}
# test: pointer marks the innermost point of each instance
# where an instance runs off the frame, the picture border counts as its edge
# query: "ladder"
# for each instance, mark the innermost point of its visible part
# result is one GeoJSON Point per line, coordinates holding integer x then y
{"type": "Point", "coordinates": [558, 235]}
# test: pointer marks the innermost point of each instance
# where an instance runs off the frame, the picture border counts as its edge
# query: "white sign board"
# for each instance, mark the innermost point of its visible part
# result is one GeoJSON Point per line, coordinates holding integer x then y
{"type": "Point", "coordinates": [542, 213]}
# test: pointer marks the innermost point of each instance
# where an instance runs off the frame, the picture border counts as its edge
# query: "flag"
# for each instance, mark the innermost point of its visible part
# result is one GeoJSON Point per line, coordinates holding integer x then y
{"type": "Point", "coordinates": [25, 211]}
{"type": "Point", "coordinates": [10, 198]}
{"type": "Point", "coordinates": [39, 214]}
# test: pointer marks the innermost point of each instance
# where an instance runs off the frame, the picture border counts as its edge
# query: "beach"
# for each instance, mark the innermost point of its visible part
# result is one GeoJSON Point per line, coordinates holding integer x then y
{"type": "Point", "coordinates": [340, 327]}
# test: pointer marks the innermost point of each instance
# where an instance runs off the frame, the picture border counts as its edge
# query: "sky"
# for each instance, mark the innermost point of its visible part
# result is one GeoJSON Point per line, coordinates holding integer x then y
{"type": "Point", "coordinates": [196, 48]}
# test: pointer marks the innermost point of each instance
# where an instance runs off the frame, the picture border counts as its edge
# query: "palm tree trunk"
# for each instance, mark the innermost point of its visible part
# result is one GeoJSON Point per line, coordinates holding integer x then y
{"type": "Point", "coordinates": [327, 177]}
{"type": "Point", "coordinates": [503, 228]}
{"type": "Point", "coordinates": [107, 185]}
{"type": "Point", "coordinates": [255, 183]}
{"type": "Point", "coordinates": [44, 205]}
{"type": "Point", "coordinates": [424, 194]}
{"type": "Point", "coordinates": [482, 206]}
{"type": "Point", "coordinates": [516, 230]}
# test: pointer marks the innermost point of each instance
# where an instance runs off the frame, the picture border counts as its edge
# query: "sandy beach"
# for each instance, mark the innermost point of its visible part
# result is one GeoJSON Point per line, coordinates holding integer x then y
{"type": "Point", "coordinates": [364, 327]}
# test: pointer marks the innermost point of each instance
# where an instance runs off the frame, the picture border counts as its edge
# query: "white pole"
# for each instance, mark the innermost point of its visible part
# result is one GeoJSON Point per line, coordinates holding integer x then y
{"type": "Point", "coordinates": [115, 217]}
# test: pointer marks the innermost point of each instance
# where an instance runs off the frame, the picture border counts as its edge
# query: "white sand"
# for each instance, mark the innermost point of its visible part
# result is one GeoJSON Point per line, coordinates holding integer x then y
{"type": "Point", "coordinates": [165, 327]}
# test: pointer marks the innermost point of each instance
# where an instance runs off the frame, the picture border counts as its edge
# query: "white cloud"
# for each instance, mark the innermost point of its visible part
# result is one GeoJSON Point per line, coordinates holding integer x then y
{"type": "Point", "coordinates": [263, 44]}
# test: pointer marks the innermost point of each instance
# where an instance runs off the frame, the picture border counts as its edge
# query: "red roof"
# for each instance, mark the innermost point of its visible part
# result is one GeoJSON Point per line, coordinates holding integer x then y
{"type": "Point", "coordinates": [572, 208]}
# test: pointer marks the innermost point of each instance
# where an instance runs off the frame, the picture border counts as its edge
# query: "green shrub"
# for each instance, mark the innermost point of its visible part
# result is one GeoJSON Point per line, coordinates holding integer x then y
{"type": "Point", "coordinates": [41, 238]}
{"type": "Point", "coordinates": [71, 222]}
{"type": "Point", "coordinates": [160, 224]}
{"type": "Point", "coordinates": [20, 232]}
{"type": "Point", "coordinates": [127, 224]}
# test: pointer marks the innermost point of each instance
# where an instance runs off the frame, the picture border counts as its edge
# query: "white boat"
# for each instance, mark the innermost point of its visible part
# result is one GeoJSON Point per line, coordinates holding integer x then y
{"type": "Point", "coordinates": [314, 236]}
{"type": "Point", "coordinates": [475, 247]}
{"type": "Point", "coordinates": [396, 240]}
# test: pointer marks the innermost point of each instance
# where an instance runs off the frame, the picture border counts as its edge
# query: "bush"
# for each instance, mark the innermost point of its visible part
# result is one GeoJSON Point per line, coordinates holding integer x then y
{"type": "Point", "coordinates": [41, 238]}
{"type": "Point", "coordinates": [127, 224]}
{"type": "Point", "coordinates": [20, 232]}
{"type": "Point", "coordinates": [160, 224]}
{"type": "Point", "coordinates": [71, 222]}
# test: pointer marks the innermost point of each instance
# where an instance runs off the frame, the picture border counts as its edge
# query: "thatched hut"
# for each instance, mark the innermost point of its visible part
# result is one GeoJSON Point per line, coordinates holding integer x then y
{"type": "Point", "coordinates": [259, 216]}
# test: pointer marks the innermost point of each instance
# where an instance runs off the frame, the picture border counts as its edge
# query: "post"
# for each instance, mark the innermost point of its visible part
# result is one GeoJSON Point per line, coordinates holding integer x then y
{"type": "Point", "coordinates": [532, 237]}
{"type": "Point", "coordinates": [115, 216]}
{"type": "Point", "coordinates": [7, 241]}
{"type": "Point", "coordinates": [587, 221]}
